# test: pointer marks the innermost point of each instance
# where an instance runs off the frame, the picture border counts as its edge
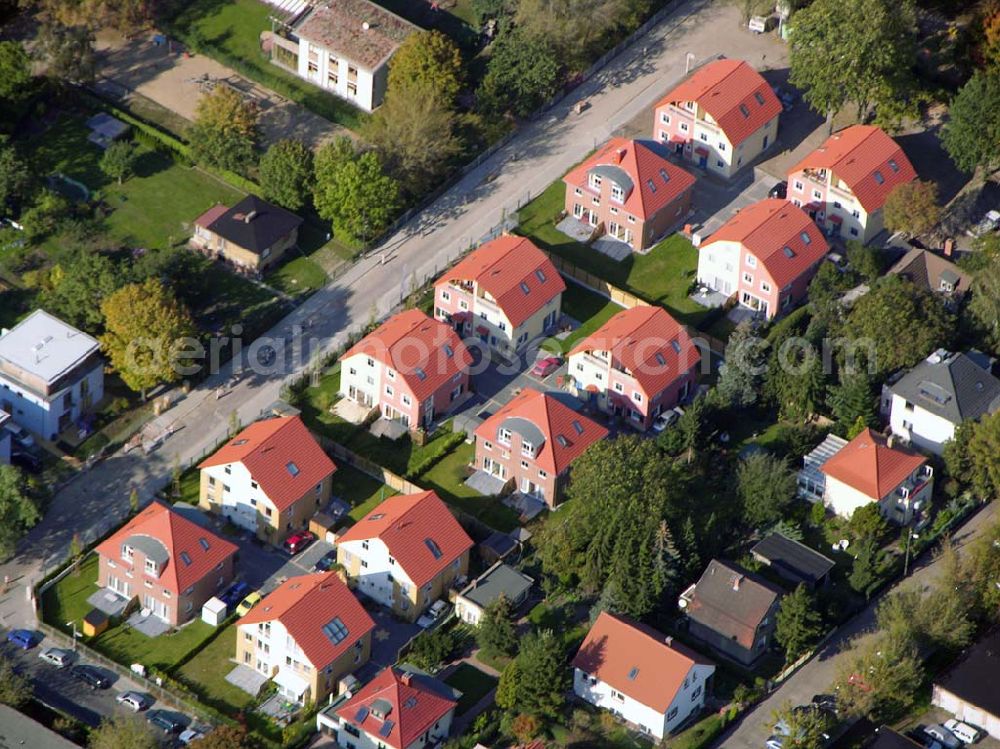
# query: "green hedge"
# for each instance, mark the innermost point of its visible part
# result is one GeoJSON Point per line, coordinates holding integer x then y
{"type": "Point", "coordinates": [444, 447]}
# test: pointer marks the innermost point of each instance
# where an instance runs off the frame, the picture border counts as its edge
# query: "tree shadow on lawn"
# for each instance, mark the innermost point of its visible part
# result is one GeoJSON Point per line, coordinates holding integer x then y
{"type": "Point", "coordinates": [150, 162]}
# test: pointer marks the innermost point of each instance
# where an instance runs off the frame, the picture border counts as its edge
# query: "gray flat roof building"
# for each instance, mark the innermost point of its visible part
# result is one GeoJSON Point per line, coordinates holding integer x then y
{"type": "Point", "coordinates": [41, 352]}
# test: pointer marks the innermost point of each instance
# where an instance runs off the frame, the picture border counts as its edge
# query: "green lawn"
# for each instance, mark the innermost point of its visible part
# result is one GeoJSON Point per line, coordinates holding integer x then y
{"type": "Point", "coordinates": [229, 31]}
{"type": "Point", "coordinates": [206, 674]}
{"type": "Point", "coordinates": [590, 309]}
{"type": "Point", "coordinates": [66, 601]}
{"type": "Point", "coordinates": [662, 276]}
{"type": "Point", "coordinates": [359, 489]}
{"type": "Point", "coordinates": [300, 275]}
{"type": "Point", "coordinates": [472, 683]}
{"type": "Point", "coordinates": [190, 486]}
{"type": "Point", "coordinates": [447, 477]}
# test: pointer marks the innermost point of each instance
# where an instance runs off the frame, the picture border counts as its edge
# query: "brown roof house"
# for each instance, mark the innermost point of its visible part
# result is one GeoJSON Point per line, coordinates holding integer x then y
{"type": "Point", "coordinates": [732, 611]}
{"type": "Point", "coordinates": [253, 235]}
{"type": "Point", "coordinates": [934, 273]}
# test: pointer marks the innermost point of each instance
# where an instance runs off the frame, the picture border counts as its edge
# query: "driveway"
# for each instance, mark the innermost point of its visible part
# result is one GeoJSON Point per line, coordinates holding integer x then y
{"type": "Point", "coordinates": [715, 202]}
{"type": "Point", "coordinates": [817, 676]}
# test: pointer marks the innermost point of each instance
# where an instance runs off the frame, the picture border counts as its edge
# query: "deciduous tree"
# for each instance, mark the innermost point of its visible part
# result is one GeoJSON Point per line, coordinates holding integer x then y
{"type": "Point", "coordinates": [18, 509]}
{"type": "Point", "coordinates": [354, 194]}
{"type": "Point", "coordinates": [766, 486]}
{"type": "Point", "coordinates": [867, 523]}
{"type": "Point", "coordinates": [972, 134]}
{"type": "Point", "coordinates": [984, 307]}
{"type": "Point", "coordinates": [68, 52]}
{"type": "Point", "coordinates": [145, 328]}
{"type": "Point", "coordinates": [431, 62]}
{"type": "Point", "coordinates": [15, 177]}
{"type": "Point", "coordinates": [798, 623]}
{"type": "Point", "coordinates": [119, 160]}
{"type": "Point", "coordinates": [571, 27]}
{"type": "Point", "coordinates": [15, 70]}
{"type": "Point", "coordinates": [225, 130]}
{"type": "Point", "coordinates": [15, 688]}
{"type": "Point", "coordinates": [523, 73]}
{"type": "Point", "coordinates": [286, 174]}
{"type": "Point", "coordinates": [83, 286]}
{"type": "Point", "coordinates": [807, 728]}
{"type": "Point", "coordinates": [123, 732]}
{"type": "Point", "coordinates": [877, 681]}
{"type": "Point", "coordinates": [226, 737]}
{"type": "Point", "coordinates": [983, 448]}
{"type": "Point", "coordinates": [912, 207]}
{"type": "Point", "coordinates": [865, 568]}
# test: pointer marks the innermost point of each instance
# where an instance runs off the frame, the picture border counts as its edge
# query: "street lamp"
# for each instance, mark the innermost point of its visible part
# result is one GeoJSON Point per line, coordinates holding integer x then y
{"type": "Point", "coordinates": [73, 625]}
{"type": "Point", "coordinates": [906, 562]}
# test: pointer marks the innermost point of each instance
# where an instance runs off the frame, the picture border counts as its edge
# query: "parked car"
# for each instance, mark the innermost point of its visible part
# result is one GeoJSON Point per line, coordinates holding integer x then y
{"type": "Point", "coordinates": [20, 435]}
{"type": "Point", "coordinates": [92, 676]}
{"type": "Point", "coordinates": [775, 742]}
{"type": "Point", "coordinates": [826, 702]}
{"type": "Point", "coordinates": [25, 459]}
{"type": "Point", "coordinates": [188, 735]}
{"type": "Point", "coordinates": [545, 367]}
{"type": "Point", "coordinates": [963, 731]}
{"type": "Point", "coordinates": [435, 612]}
{"type": "Point", "coordinates": [780, 190]}
{"type": "Point", "coordinates": [989, 223]}
{"type": "Point", "coordinates": [25, 639]}
{"type": "Point", "coordinates": [248, 603]}
{"type": "Point", "coordinates": [666, 419]}
{"type": "Point", "coordinates": [326, 562]}
{"type": "Point", "coordinates": [58, 657]}
{"type": "Point", "coordinates": [134, 701]}
{"type": "Point", "coordinates": [942, 735]}
{"type": "Point", "coordinates": [164, 721]}
{"type": "Point", "coordinates": [234, 594]}
{"type": "Point", "coordinates": [298, 541]}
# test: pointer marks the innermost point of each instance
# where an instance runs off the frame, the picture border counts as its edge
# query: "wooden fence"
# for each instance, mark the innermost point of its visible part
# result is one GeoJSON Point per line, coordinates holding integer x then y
{"type": "Point", "coordinates": [596, 284]}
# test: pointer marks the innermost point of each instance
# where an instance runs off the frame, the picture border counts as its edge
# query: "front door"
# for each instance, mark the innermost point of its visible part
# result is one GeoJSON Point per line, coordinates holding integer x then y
{"type": "Point", "coordinates": [703, 161]}
{"type": "Point", "coordinates": [592, 217]}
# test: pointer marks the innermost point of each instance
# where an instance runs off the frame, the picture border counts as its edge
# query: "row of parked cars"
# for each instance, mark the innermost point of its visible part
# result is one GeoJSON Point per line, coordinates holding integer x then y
{"type": "Point", "coordinates": [167, 722]}
{"type": "Point", "coordinates": [953, 734]}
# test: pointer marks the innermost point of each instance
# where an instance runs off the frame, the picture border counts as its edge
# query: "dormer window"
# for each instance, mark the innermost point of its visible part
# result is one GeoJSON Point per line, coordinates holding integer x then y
{"type": "Point", "coordinates": [527, 448]}
{"type": "Point", "coordinates": [503, 436]}
{"type": "Point", "coordinates": [152, 568]}
{"type": "Point", "coordinates": [893, 165]}
{"type": "Point", "coordinates": [126, 552]}
{"type": "Point", "coordinates": [744, 111]}
{"type": "Point", "coordinates": [689, 106]}
{"type": "Point", "coordinates": [879, 179]}
{"type": "Point", "coordinates": [617, 193]}
{"type": "Point", "coordinates": [595, 181]}
{"type": "Point", "coordinates": [946, 286]}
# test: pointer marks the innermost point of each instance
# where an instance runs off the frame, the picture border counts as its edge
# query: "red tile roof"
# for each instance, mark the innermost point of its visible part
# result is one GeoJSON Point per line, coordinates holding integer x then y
{"type": "Point", "coordinates": [721, 88]}
{"type": "Point", "coordinates": [567, 434]}
{"type": "Point", "coordinates": [505, 267]}
{"type": "Point", "coordinates": [281, 455]}
{"type": "Point", "coordinates": [868, 464]}
{"type": "Point", "coordinates": [414, 707]}
{"type": "Point", "coordinates": [412, 527]}
{"type": "Point", "coordinates": [210, 216]}
{"type": "Point", "coordinates": [307, 603]}
{"type": "Point", "coordinates": [855, 155]}
{"type": "Point", "coordinates": [639, 340]}
{"type": "Point", "coordinates": [617, 648]}
{"type": "Point", "coordinates": [644, 164]}
{"type": "Point", "coordinates": [766, 229]}
{"type": "Point", "coordinates": [426, 353]}
{"type": "Point", "coordinates": [184, 542]}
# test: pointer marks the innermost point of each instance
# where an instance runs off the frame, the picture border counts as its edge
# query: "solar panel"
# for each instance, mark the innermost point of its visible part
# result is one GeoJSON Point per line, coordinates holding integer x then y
{"type": "Point", "coordinates": [934, 392]}
{"type": "Point", "coordinates": [386, 729]}
{"type": "Point", "coordinates": [361, 714]}
{"type": "Point", "coordinates": [203, 542]}
{"type": "Point", "coordinates": [292, 468]}
{"type": "Point", "coordinates": [335, 631]}
{"type": "Point", "coordinates": [186, 559]}
{"type": "Point", "coordinates": [435, 549]}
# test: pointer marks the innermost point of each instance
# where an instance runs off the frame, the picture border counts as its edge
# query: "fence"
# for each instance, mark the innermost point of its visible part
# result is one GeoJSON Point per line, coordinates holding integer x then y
{"type": "Point", "coordinates": [596, 284]}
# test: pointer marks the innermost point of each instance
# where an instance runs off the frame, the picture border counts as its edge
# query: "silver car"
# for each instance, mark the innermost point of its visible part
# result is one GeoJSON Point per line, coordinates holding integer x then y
{"type": "Point", "coordinates": [58, 657]}
{"type": "Point", "coordinates": [942, 735]}
{"type": "Point", "coordinates": [134, 701]}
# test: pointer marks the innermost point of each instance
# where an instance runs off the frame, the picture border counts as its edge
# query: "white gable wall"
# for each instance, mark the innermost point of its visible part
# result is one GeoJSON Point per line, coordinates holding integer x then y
{"type": "Point", "coordinates": [920, 427]}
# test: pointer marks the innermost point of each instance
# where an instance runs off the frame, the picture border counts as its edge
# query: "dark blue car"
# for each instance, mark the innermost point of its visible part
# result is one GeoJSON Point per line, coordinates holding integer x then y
{"type": "Point", "coordinates": [24, 638]}
{"type": "Point", "coordinates": [234, 594]}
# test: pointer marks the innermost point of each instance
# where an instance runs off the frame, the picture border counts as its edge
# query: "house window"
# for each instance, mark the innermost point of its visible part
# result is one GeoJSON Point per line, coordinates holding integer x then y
{"type": "Point", "coordinates": [487, 445]}
{"type": "Point", "coordinates": [211, 480]}
{"type": "Point", "coordinates": [703, 136]}
{"type": "Point", "coordinates": [229, 469]}
{"type": "Point", "coordinates": [696, 693]}
{"type": "Point", "coordinates": [151, 568]}
{"type": "Point", "coordinates": [391, 372]}
{"type": "Point", "coordinates": [371, 362]}
{"type": "Point", "coordinates": [817, 195]}
{"type": "Point", "coordinates": [352, 89]}
{"type": "Point", "coordinates": [577, 191]}
{"type": "Point", "coordinates": [720, 163]}
{"type": "Point", "coordinates": [664, 118]}
{"type": "Point", "coordinates": [615, 694]}
{"type": "Point", "coordinates": [524, 464]}
{"type": "Point", "coordinates": [631, 219]}
{"type": "Point", "coordinates": [527, 448]}
{"type": "Point", "coordinates": [617, 193]}
{"type": "Point", "coordinates": [595, 201]}
{"type": "Point", "coordinates": [503, 436]}
{"type": "Point", "coordinates": [747, 278]}
{"type": "Point", "coordinates": [619, 387]}
{"type": "Point", "coordinates": [798, 186]}
{"type": "Point", "coordinates": [614, 211]}
{"type": "Point", "coordinates": [637, 397]}
{"type": "Point", "coordinates": [126, 552]}
{"type": "Point", "coordinates": [722, 146]}
{"type": "Point", "coordinates": [595, 181]}
{"type": "Point", "coordinates": [856, 213]}
{"type": "Point", "coordinates": [765, 286]}
{"type": "Point", "coordinates": [751, 261]}
{"type": "Point", "coordinates": [388, 390]}
{"type": "Point", "coordinates": [854, 232]}
{"type": "Point", "coordinates": [684, 127]}
{"type": "Point", "coordinates": [672, 714]}
{"type": "Point", "coordinates": [406, 400]}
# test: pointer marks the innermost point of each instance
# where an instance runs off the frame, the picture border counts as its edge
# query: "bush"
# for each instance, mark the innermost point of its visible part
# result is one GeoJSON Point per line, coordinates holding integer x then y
{"type": "Point", "coordinates": [444, 447]}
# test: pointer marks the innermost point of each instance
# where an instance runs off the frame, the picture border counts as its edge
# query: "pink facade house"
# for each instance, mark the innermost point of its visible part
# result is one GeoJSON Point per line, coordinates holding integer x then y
{"type": "Point", "coordinates": [844, 183]}
{"type": "Point", "coordinates": [413, 368]}
{"type": "Point", "coordinates": [629, 191]}
{"type": "Point", "coordinates": [506, 293]}
{"type": "Point", "coordinates": [638, 364]}
{"type": "Point", "coordinates": [532, 441]}
{"type": "Point", "coordinates": [721, 117]}
{"type": "Point", "coordinates": [766, 254]}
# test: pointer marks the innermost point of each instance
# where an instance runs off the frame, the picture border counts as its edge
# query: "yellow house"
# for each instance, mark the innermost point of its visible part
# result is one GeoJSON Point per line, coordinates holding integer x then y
{"type": "Point", "coordinates": [306, 635]}
{"type": "Point", "coordinates": [252, 235]}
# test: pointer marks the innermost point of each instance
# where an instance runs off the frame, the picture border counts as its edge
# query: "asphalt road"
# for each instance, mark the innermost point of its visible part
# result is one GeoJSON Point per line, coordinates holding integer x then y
{"type": "Point", "coordinates": [818, 675]}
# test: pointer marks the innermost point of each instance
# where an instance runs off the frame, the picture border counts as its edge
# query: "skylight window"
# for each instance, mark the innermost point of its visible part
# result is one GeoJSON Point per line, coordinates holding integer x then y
{"type": "Point", "coordinates": [540, 275]}
{"type": "Point", "coordinates": [203, 542]}
{"type": "Point", "coordinates": [660, 360]}
{"type": "Point", "coordinates": [788, 252]}
{"type": "Point", "coordinates": [633, 673]}
{"type": "Point", "coordinates": [806, 239]}
{"type": "Point", "coordinates": [386, 729]}
{"type": "Point", "coordinates": [879, 178]}
{"type": "Point", "coordinates": [239, 442]}
{"type": "Point", "coordinates": [377, 516]}
{"type": "Point", "coordinates": [562, 440]}
{"type": "Point", "coordinates": [361, 714]}
{"type": "Point", "coordinates": [410, 702]}
{"type": "Point", "coordinates": [335, 631]}
{"type": "Point", "coordinates": [651, 185]}
{"type": "Point", "coordinates": [744, 111]}
{"type": "Point", "coordinates": [676, 346]}
{"type": "Point", "coordinates": [577, 427]}
{"type": "Point", "coordinates": [435, 549]}
{"type": "Point", "coordinates": [292, 468]}
{"type": "Point", "coordinates": [893, 165]}
{"type": "Point", "coordinates": [663, 173]}
{"type": "Point", "coordinates": [186, 559]}
{"type": "Point", "coordinates": [525, 288]}
{"type": "Point", "coordinates": [759, 97]}
{"type": "Point", "coordinates": [449, 351]}
{"type": "Point", "coordinates": [421, 374]}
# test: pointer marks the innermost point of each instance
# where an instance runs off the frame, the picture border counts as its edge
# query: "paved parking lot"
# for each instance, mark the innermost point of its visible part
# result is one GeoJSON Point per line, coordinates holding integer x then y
{"type": "Point", "coordinates": [715, 202]}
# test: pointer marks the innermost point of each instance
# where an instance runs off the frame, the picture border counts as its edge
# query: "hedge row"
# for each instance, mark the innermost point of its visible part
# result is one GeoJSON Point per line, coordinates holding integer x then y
{"type": "Point", "coordinates": [444, 447]}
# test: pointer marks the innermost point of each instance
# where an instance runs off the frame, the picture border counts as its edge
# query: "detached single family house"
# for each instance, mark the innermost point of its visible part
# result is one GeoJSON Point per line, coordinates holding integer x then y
{"type": "Point", "coordinates": [641, 675]}
{"type": "Point", "coordinates": [506, 293]}
{"type": "Point", "coordinates": [405, 553]}
{"type": "Point", "coordinates": [721, 117]}
{"type": "Point", "coordinates": [413, 368]}
{"type": "Point", "coordinates": [870, 468]}
{"type": "Point", "coordinates": [532, 441]}
{"type": "Point", "coordinates": [51, 374]}
{"type": "Point", "coordinates": [253, 235]}
{"type": "Point", "coordinates": [343, 47]}
{"type": "Point", "coordinates": [306, 635]}
{"type": "Point", "coordinates": [934, 273]}
{"type": "Point", "coordinates": [844, 183]}
{"type": "Point", "coordinates": [171, 564]}
{"type": "Point", "coordinates": [766, 255]}
{"type": "Point", "coordinates": [638, 364]}
{"type": "Point", "coordinates": [269, 479]}
{"type": "Point", "coordinates": [629, 191]}
{"type": "Point", "coordinates": [927, 403]}
{"type": "Point", "coordinates": [732, 610]}
{"type": "Point", "coordinates": [400, 708]}
{"type": "Point", "coordinates": [498, 581]}
{"type": "Point", "coordinates": [968, 689]}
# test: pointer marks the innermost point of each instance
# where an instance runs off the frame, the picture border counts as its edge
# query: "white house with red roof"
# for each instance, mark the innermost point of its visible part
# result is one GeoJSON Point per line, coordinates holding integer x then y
{"type": "Point", "coordinates": [405, 553]}
{"type": "Point", "coordinates": [306, 635]}
{"type": "Point", "coordinates": [413, 368]}
{"type": "Point", "coordinates": [270, 479]}
{"type": "Point", "coordinates": [506, 293]}
{"type": "Point", "coordinates": [870, 468]}
{"type": "Point", "coordinates": [721, 117]}
{"type": "Point", "coordinates": [531, 443]}
{"type": "Point", "coordinates": [171, 564]}
{"type": "Point", "coordinates": [844, 183]}
{"type": "Point", "coordinates": [629, 191]}
{"type": "Point", "coordinates": [400, 708]}
{"type": "Point", "coordinates": [766, 255]}
{"type": "Point", "coordinates": [639, 363]}
{"type": "Point", "coordinates": [641, 675]}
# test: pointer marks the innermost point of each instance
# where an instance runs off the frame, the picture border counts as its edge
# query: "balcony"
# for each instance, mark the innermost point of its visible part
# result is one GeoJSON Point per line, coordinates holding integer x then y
{"type": "Point", "coordinates": [467, 287]}
{"type": "Point", "coordinates": [914, 484]}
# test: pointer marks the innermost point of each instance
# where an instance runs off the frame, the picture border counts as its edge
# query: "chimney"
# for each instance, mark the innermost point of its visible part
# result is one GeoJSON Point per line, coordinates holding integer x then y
{"type": "Point", "coordinates": [406, 678]}
{"type": "Point", "coordinates": [249, 217]}
{"type": "Point", "coordinates": [949, 246]}
{"type": "Point", "coordinates": [737, 579]}
{"type": "Point", "coordinates": [617, 156]}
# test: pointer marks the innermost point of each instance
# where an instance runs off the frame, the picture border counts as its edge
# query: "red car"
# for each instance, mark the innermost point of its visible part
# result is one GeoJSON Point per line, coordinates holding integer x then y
{"type": "Point", "coordinates": [298, 541]}
{"type": "Point", "coordinates": [546, 366]}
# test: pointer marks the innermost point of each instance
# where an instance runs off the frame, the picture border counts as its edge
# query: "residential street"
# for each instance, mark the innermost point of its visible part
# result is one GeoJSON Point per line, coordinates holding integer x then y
{"type": "Point", "coordinates": [817, 676]}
